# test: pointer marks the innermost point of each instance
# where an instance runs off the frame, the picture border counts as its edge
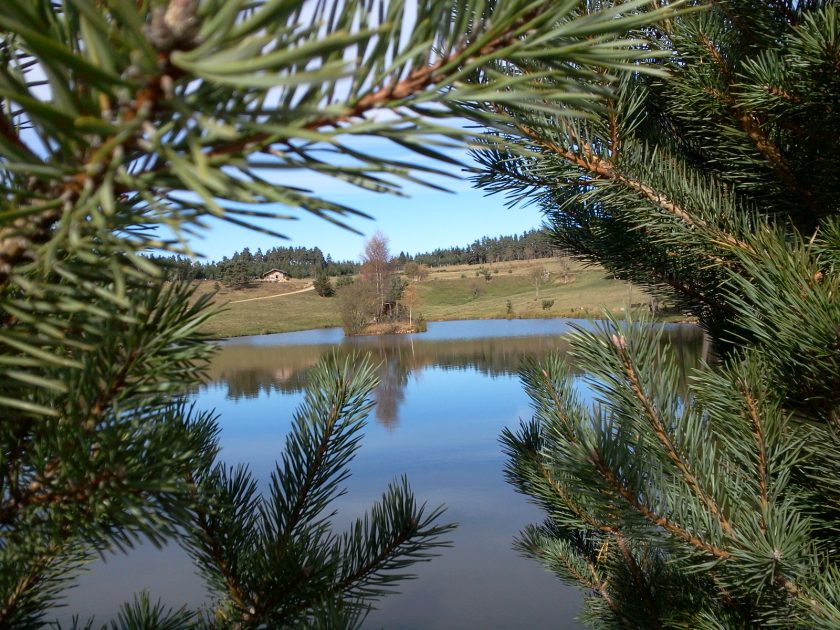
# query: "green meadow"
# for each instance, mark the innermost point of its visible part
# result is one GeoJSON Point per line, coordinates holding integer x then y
{"type": "Point", "coordinates": [457, 292]}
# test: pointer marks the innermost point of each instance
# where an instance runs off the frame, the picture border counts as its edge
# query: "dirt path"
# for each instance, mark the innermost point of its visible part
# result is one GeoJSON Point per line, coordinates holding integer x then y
{"type": "Point", "coordinates": [269, 297]}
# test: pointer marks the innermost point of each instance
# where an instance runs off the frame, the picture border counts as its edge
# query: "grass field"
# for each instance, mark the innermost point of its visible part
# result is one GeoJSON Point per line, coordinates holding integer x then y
{"type": "Point", "coordinates": [449, 293]}
{"type": "Point", "coordinates": [298, 311]}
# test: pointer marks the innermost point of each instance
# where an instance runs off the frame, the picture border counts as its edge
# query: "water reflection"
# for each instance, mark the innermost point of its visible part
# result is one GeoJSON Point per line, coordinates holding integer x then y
{"type": "Point", "coordinates": [443, 399]}
{"type": "Point", "coordinates": [249, 367]}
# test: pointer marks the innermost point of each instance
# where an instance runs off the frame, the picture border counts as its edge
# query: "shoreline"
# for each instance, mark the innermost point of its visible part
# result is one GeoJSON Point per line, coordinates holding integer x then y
{"type": "Point", "coordinates": [454, 293]}
{"type": "Point", "coordinates": [670, 319]}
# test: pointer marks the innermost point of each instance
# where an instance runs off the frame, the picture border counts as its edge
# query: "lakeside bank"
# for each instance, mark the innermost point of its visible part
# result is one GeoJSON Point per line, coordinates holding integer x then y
{"type": "Point", "coordinates": [448, 294]}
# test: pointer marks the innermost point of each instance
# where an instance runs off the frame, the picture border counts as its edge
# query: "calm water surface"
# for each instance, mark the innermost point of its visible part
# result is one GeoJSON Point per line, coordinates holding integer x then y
{"type": "Point", "coordinates": [442, 402]}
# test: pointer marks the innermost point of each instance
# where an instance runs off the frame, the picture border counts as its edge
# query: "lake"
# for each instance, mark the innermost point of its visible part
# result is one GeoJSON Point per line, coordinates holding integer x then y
{"type": "Point", "coordinates": [444, 397]}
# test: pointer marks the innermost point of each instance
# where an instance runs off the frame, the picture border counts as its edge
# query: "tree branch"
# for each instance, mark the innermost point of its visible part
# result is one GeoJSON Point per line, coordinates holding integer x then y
{"type": "Point", "coordinates": [586, 158]}
{"type": "Point", "coordinates": [27, 582]}
{"type": "Point", "coordinates": [652, 516]}
{"type": "Point", "coordinates": [762, 472]}
{"type": "Point", "coordinates": [751, 125]}
{"type": "Point", "coordinates": [642, 587]}
{"type": "Point", "coordinates": [662, 435]}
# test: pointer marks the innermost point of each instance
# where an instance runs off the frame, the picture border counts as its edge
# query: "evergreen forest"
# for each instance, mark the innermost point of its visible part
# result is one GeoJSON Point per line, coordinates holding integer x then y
{"type": "Point", "coordinates": [305, 262]}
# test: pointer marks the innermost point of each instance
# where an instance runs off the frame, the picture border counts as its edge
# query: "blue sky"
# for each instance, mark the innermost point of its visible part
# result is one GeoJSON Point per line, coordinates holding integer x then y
{"type": "Point", "coordinates": [426, 219]}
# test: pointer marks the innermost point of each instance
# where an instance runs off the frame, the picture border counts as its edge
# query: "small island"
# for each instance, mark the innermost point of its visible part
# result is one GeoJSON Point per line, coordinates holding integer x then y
{"type": "Point", "coordinates": [379, 301]}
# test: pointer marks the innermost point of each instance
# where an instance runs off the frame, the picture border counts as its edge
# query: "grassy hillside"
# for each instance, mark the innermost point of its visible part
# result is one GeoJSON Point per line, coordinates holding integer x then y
{"type": "Point", "coordinates": [449, 293]}
{"type": "Point", "coordinates": [458, 293]}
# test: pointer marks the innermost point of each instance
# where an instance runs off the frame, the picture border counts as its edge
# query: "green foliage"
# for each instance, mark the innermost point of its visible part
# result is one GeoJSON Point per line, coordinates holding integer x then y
{"type": "Point", "coordinates": [359, 306]}
{"type": "Point", "coordinates": [396, 288]}
{"type": "Point", "coordinates": [141, 613]}
{"type": "Point", "coordinates": [274, 561]}
{"type": "Point", "coordinates": [323, 285]}
{"type": "Point", "coordinates": [234, 273]}
{"type": "Point", "coordinates": [343, 281]}
{"type": "Point", "coordinates": [297, 262]}
{"type": "Point", "coordinates": [717, 189]}
{"type": "Point", "coordinates": [124, 127]}
{"type": "Point", "coordinates": [678, 173]}
{"type": "Point", "coordinates": [547, 304]}
{"type": "Point", "coordinates": [677, 512]}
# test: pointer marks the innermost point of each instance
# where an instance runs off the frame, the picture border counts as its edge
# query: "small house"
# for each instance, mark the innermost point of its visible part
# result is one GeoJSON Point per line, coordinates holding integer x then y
{"type": "Point", "coordinates": [274, 275]}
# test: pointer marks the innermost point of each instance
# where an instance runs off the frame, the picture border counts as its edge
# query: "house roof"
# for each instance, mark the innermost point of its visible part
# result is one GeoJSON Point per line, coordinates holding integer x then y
{"type": "Point", "coordinates": [272, 271]}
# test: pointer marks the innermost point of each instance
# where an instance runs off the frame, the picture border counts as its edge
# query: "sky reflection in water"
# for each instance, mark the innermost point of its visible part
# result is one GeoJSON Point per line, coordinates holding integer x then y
{"type": "Point", "coordinates": [442, 402]}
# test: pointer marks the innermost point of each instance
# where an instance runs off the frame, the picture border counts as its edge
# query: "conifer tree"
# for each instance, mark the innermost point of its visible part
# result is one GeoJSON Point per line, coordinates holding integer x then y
{"type": "Point", "coordinates": [322, 284]}
{"type": "Point", "coordinates": [715, 186]}
{"type": "Point", "coordinates": [124, 125]}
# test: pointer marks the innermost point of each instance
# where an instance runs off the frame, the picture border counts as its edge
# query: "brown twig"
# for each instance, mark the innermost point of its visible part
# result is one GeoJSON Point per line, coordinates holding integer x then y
{"type": "Point", "coordinates": [762, 471]}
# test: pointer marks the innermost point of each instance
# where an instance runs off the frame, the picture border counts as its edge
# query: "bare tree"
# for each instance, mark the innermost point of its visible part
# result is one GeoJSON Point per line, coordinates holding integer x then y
{"type": "Point", "coordinates": [357, 303]}
{"type": "Point", "coordinates": [415, 271]}
{"type": "Point", "coordinates": [411, 299]}
{"type": "Point", "coordinates": [539, 275]}
{"type": "Point", "coordinates": [378, 267]}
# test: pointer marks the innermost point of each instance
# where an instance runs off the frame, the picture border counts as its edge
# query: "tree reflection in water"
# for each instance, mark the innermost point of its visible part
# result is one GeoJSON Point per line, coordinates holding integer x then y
{"type": "Point", "coordinates": [251, 370]}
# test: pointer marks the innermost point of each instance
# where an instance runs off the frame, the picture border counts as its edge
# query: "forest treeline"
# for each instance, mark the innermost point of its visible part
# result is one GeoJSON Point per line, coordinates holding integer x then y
{"type": "Point", "coordinates": [527, 246]}
{"type": "Point", "coordinates": [297, 262]}
{"type": "Point", "coordinates": [305, 262]}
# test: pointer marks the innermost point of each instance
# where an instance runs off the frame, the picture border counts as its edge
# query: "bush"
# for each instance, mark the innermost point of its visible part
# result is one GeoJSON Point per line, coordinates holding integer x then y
{"type": "Point", "coordinates": [547, 304]}
{"type": "Point", "coordinates": [358, 305]}
{"type": "Point", "coordinates": [322, 285]}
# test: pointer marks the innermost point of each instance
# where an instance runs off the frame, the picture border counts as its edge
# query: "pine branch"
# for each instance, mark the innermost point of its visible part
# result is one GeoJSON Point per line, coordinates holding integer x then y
{"type": "Point", "coordinates": [752, 126]}
{"type": "Point", "coordinates": [652, 415]}
{"type": "Point", "coordinates": [20, 605]}
{"type": "Point", "coordinates": [650, 515]}
{"type": "Point", "coordinates": [600, 586]}
{"type": "Point", "coordinates": [587, 159]}
{"type": "Point", "coordinates": [762, 472]}
{"type": "Point", "coordinates": [537, 461]}
{"type": "Point", "coordinates": [642, 587]}
{"type": "Point", "coordinates": [216, 552]}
